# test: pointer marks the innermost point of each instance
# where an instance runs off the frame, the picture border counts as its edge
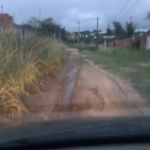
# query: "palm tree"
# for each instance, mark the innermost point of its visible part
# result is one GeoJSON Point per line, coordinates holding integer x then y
{"type": "Point", "coordinates": [119, 30]}
{"type": "Point", "coordinates": [130, 29]}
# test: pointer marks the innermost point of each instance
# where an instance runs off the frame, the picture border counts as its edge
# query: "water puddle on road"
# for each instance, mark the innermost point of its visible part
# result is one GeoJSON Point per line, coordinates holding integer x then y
{"type": "Point", "coordinates": [69, 90]}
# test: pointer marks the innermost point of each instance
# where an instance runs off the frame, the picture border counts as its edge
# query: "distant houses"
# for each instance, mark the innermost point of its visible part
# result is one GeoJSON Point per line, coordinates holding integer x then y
{"type": "Point", "coordinates": [89, 36]}
{"type": "Point", "coordinates": [138, 41]}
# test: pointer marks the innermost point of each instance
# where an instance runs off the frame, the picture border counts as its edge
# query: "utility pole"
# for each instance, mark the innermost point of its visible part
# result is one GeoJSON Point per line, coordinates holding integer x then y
{"type": "Point", "coordinates": [107, 36]}
{"type": "Point", "coordinates": [39, 14]}
{"type": "Point", "coordinates": [54, 34]}
{"type": "Point", "coordinates": [131, 19]}
{"type": "Point", "coordinates": [97, 33]}
{"type": "Point", "coordinates": [78, 30]}
{"type": "Point", "coordinates": [14, 16]}
{"type": "Point", "coordinates": [60, 34]}
{"type": "Point", "coordinates": [108, 26]}
{"type": "Point", "coordinates": [1, 8]}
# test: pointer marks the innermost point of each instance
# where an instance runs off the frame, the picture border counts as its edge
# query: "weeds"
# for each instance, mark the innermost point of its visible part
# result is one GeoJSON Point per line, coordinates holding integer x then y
{"type": "Point", "coordinates": [82, 47]}
{"type": "Point", "coordinates": [23, 66]}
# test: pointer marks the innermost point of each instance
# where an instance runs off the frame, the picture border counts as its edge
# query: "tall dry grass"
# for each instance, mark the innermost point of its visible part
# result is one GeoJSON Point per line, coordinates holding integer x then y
{"type": "Point", "coordinates": [22, 67]}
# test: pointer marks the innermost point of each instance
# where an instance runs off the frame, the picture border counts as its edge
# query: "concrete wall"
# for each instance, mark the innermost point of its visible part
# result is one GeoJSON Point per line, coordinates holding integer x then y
{"type": "Point", "coordinates": [145, 42]}
{"type": "Point", "coordinates": [148, 43]}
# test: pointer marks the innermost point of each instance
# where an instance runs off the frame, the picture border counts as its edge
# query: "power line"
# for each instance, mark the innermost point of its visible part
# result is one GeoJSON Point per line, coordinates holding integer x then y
{"type": "Point", "coordinates": [122, 8]}
{"type": "Point", "coordinates": [136, 2]}
{"type": "Point", "coordinates": [39, 14]}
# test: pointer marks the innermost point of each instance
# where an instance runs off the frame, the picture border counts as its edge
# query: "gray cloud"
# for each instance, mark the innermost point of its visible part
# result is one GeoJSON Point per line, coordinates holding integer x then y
{"type": "Point", "coordinates": [68, 12]}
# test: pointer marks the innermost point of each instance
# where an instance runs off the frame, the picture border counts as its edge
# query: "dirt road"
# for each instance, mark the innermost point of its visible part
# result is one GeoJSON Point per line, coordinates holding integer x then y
{"type": "Point", "coordinates": [83, 89]}
{"type": "Point", "coordinates": [99, 93]}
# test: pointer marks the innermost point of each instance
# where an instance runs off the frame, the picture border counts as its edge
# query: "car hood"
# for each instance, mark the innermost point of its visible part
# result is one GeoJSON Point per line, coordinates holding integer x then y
{"type": "Point", "coordinates": [75, 129]}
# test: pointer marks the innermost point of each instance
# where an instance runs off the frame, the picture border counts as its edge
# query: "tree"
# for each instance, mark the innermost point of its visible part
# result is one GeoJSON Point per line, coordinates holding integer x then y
{"type": "Point", "coordinates": [47, 27]}
{"type": "Point", "coordinates": [34, 22]}
{"type": "Point", "coordinates": [63, 34]}
{"type": "Point", "coordinates": [130, 29]}
{"type": "Point", "coordinates": [108, 31]}
{"type": "Point", "coordinates": [119, 30]}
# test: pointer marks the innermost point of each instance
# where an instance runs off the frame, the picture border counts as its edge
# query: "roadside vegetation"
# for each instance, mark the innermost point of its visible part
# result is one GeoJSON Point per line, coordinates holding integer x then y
{"type": "Point", "coordinates": [24, 66]}
{"type": "Point", "coordinates": [128, 62]}
{"type": "Point", "coordinates": [82, 47]}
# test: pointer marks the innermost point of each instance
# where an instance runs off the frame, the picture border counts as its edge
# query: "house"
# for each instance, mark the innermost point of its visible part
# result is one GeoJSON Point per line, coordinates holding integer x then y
{"type": "Point", "coordinates": [6, 21]}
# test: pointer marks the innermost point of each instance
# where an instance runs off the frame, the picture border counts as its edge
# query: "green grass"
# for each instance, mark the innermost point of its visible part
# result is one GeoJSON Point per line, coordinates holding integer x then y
{"type": "Point", "coordinates": [23, 66]}
{"type": "Point", "coordinates": [130, 63]}
{"type": "Point", "coordinates": [82, 47]}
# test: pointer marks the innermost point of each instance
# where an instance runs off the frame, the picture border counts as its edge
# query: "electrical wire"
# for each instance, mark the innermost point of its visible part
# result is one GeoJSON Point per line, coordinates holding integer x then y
{"type": "Point", "coordinates": [136, 2]}
{"type": "Point", "coordinates": [122, 8]}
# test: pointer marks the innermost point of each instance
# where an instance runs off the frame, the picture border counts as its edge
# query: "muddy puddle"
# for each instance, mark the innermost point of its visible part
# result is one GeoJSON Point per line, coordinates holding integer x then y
{"type": "Point", "coordinates": [72, 75]}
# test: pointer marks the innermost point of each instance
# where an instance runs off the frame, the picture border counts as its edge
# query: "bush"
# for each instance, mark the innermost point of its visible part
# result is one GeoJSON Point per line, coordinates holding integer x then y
{"type": "Point", "coordinates": [23, 65]}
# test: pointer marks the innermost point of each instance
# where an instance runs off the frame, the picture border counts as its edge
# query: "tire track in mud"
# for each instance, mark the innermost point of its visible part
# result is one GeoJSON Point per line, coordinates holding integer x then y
{"type": "Point", "coordinates": [65, 107]}
{"type": "Point", "coordinates": [68, 93]}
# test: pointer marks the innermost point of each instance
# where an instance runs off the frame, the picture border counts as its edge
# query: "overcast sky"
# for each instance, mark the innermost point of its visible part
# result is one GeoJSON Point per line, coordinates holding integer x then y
{"type": "Point", "coordinates": [68, 12]}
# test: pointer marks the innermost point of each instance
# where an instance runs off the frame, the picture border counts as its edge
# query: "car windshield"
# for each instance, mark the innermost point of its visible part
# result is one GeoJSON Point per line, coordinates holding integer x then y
{"type": "Point", "coordinates": [63, 60]}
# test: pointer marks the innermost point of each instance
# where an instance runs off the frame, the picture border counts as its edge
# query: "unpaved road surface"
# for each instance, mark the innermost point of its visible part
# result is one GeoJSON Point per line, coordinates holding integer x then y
{"type": "Point", "coordinates": [99, 93]}
{"type": "Point", "coordinates": [83, 90]}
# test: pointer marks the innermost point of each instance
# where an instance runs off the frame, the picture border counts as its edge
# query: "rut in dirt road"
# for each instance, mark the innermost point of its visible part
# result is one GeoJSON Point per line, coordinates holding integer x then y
{"type": "Point", "coordinates": [54, 102]}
